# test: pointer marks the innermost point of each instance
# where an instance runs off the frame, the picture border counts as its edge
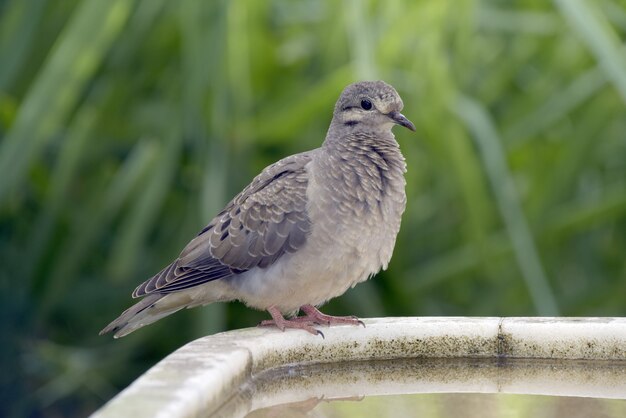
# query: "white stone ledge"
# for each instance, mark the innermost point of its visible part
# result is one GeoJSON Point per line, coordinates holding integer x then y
{"type": "Point", "coordinates": [201, 376]}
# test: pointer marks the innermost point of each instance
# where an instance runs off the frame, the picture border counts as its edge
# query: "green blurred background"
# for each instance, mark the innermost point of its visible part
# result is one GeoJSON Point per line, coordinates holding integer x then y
{"type": "Point", "coordinates": [125, 125]}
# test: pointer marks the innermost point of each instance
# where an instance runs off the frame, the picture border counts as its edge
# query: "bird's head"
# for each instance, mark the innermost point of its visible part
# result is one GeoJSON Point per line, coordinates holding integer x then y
{"type": "Point", "coordinates": [370, 106]}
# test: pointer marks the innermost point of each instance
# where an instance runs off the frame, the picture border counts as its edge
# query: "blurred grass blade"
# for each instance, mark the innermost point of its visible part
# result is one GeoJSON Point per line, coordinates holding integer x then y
{"type": "Point", "coordinates": [238, 57]}
{"type": "Point", "coordinates": [308, 104]}
{"type": "Point", "coordinates": [141, 22]}
{"type": "Point", "coordinates": [213, 156]}
{"type": "Point", "coordinates": [456, 262]}
{"type": "Point", "coordinates": [361, 45]}
{"type": "Point", "coordinates": [194, 66]}
{"type": "Point", "coordinates": [597, 33]}
{"type": "Point", "coordinates": [531, 22]}
{"type": "Point", "coordinates": [616, 13]}
{"type": "Point", "coordinates": [64, 172]}
{"type": "Point", "coordinates": [147, 204]}
{"type": "Point", "coordinates": [556, 107]}
{"type": "Point", "coordinates": [97, 217]}
{"type": "Point", "coordinates": [18, 25]}
{"type": "Point", "coordinates": [560, 224]}
{"type": "Point", "coordinates": [494, 160]}
{"type": "Point", "coordinates": [579, 216]}
{"type": "Point", "coordinates": [564, 179]}
{"type": "Point", "coordinates": [59, 84]}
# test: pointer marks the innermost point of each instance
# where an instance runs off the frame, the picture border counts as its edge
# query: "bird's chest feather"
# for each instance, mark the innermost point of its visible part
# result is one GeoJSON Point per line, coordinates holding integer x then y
{"type": "Point", "coordinates": [356, 206]}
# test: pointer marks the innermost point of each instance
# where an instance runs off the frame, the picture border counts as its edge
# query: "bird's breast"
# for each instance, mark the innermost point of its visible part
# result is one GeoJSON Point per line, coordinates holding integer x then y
{"type": "Point", "coordinates": [356, 207]}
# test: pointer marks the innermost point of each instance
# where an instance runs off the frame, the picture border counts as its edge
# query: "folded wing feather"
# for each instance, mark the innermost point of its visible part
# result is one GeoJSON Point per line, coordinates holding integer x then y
{"type": "Point", "coordinates": [263, 222]}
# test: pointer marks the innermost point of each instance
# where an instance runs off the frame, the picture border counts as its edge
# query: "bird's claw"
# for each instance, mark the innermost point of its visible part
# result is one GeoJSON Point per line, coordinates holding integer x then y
{"type": "Point", "coordinates": [279, 321]}
{"type": "Point", "coordinates": [306, 322]}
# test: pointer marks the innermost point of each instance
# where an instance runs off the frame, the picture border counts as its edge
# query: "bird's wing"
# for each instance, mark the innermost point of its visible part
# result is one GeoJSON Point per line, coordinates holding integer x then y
{"type": "Point", "coordinates": [263, 222]}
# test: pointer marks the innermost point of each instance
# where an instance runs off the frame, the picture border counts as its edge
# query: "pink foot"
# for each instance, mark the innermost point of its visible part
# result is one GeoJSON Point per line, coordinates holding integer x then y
{"type": "Point", "coordinates": [312, 317]}
{"type": "Point", "coordinates": [281, 323]}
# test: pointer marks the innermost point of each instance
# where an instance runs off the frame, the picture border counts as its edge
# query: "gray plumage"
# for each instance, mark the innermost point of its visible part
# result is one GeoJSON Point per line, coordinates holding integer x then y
{"type": "Point", "coordinates": [305, 230]}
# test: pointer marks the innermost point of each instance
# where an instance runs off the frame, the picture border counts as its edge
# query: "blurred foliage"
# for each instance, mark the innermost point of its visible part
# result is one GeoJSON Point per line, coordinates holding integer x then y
{"type": "Point", "coordinates": [125, 125]}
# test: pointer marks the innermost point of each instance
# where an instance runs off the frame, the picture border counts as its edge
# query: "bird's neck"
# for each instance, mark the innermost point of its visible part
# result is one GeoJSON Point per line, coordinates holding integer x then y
{"type": "Point", "coordinates": [368, 167]}
{"type": "Point", "coordinates": [365, 147]}
{"type": "Point", "coordinates": [339, 132]}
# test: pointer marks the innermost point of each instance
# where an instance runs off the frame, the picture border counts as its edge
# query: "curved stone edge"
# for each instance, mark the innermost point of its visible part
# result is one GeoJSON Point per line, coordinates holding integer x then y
{"type": "Point", "coordinates": [204, 373]}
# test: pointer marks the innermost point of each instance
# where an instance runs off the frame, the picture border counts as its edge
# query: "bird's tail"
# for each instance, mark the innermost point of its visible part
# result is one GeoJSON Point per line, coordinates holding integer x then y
{"type": "Point", "coordinates": [150, 309]}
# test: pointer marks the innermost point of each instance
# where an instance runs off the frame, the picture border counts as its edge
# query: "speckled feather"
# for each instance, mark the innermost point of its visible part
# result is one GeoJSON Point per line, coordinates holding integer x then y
{"type": "Point", "coordinates": [267, 219]}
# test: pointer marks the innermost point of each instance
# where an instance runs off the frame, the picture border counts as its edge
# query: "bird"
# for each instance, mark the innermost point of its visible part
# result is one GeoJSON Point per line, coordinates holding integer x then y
{"type": "Point", "coordinates": [304, 231]}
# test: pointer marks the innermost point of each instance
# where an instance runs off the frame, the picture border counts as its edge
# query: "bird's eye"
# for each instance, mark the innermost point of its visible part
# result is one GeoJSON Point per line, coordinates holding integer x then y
{"type": "Point", "coordinates": [366, 104]}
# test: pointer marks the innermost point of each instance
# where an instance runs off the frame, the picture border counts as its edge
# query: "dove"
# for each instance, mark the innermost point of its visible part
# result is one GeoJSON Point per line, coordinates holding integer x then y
{"type": "Point", "coordinates": [305, 230]}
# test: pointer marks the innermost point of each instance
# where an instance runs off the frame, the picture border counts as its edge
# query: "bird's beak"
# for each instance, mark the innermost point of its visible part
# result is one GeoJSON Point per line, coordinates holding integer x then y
{"type": "Point", "coordinates": [401, 120]}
